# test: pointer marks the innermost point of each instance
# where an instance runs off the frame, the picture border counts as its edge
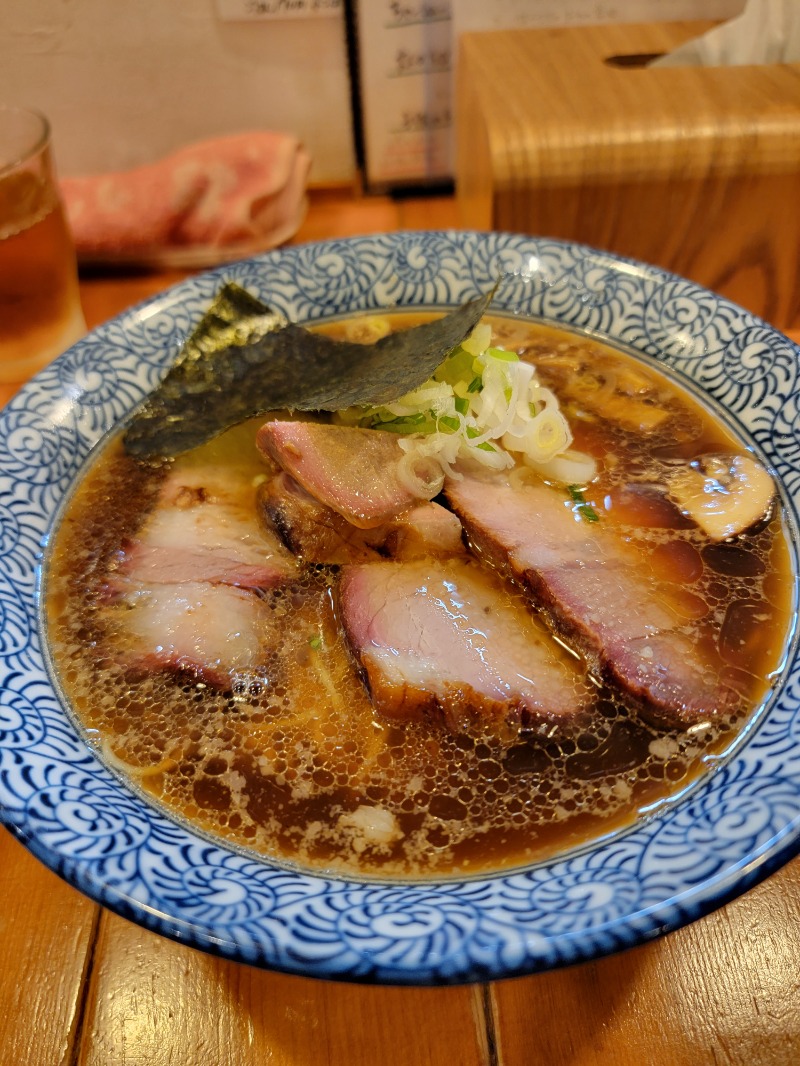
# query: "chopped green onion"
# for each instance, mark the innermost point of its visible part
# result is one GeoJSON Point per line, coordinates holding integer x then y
{"type": "Point", "coordinates": [421, 422]}
{"type": "Point", "coordinates": [472, 433]}
{"type": "Point", "coordinates": [502, 355]}
{"type": "Point", "coordinates": [315, 642]}
{"type": "Point", "coordinates": [482, 403]}
{"type": "Point", "coordinates": [452, 424]}
{"type": "Point", "coordinates": [456, 367]}
{"type": "Point", "coordinates": [584, 509]}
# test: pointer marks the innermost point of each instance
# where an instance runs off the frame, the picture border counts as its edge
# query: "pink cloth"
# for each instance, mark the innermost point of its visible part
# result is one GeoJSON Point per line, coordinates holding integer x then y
{"type": "Point", "coordinates": [206, 203]}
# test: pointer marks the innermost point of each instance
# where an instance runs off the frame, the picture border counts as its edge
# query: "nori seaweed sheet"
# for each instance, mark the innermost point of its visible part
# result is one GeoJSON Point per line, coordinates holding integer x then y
{"type": "Point", "coordinates": [234, 318]}
{"type": "Point", "coordinates": [242, 361]}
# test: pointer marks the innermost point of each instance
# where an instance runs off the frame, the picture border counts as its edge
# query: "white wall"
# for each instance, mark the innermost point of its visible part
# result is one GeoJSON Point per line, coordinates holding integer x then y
{"type": "Point", "coordinates": [125, 81]}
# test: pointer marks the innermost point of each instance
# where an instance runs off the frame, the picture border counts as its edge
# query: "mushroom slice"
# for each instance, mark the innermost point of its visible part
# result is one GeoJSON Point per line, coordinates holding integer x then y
{"type": "Point", "coordinates": [724, 494]}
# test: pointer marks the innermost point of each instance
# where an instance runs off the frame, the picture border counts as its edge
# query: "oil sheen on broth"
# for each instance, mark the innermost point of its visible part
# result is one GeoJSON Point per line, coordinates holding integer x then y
{"type": "Point", "coordinates": [299, 767]}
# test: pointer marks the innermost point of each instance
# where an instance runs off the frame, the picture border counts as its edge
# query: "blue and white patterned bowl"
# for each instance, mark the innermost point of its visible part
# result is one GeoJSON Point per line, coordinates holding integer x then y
{"type": "Point", "coordinates": [731, 829]}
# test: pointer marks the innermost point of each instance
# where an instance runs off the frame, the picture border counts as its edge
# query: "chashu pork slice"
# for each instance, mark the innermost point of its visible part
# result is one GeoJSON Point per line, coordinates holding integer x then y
{"type": "Point", "coordinates": [353, 471]}
{"type": "Point", "coordinates": [596, 595]}
{"type": "Point", "coordinates": [216, 632]}
{"type": "Point", "coordinates": [317, 534]}
{"type": "Point", "coordinates": [204, 528]}
{"type": "Point", "coordinates": [445, 638]}
{"type": "Point", "coordinates": [190, 591]}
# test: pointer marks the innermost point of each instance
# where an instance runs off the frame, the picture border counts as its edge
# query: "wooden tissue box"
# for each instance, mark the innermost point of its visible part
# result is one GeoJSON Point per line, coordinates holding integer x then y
{"type": "Point", "coordinates": [690, 168]}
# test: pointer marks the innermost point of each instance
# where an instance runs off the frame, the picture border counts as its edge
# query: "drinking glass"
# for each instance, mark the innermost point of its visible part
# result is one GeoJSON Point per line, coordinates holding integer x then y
{"type": "Point", "coordinates": [40, 310]}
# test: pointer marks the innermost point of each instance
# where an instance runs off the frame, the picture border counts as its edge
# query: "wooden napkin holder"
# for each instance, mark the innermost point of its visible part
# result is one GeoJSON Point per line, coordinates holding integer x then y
{"type": "Point", "coordinates": [567, 133]}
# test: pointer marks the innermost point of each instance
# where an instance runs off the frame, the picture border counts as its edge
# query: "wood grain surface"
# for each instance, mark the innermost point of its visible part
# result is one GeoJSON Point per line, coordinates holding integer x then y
{"type": "Point", "coordinates": [81, 987]}
{"type": "Point", "coordinates": [47, 934]}
{"type": "Point", "coordinates": [696, 170]}
{"type": "Point", "coordinates": [725, 990]}
{"type": "Point", "coordinates": [151, 1001]}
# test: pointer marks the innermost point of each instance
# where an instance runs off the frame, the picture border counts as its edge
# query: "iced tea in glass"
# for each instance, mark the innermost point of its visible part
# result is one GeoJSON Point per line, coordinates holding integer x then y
{"type": "Point", "coordinates": [40, 310]}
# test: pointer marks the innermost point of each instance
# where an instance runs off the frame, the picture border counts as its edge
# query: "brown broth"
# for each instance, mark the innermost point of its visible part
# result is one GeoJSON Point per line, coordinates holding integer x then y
{"type": "Point", "coordinates": [282, 766]}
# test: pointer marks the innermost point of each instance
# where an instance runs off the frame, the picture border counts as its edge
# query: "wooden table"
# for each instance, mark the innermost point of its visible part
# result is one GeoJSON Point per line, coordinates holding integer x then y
{"type": "Point", "coordinates": [82, 987]}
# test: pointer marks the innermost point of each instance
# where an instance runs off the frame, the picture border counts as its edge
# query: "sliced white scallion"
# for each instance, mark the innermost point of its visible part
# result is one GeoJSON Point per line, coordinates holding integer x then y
{"type": "Point", "coordinates": [479, 340]}
{"type": "Point", "coordinates": [544, 437]}
{"type": "Point", "coordinates": [570, 467]}
{"type": "Point", "coordinates": [481, 405]}
{"type": "Point", "coordinates": [422, 475]}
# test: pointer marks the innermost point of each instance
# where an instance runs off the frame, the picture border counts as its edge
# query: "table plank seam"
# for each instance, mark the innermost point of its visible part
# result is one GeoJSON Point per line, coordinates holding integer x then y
{"type": "Point", "coordinates": [74, 1052]}
{"type": "Point", "coordinates": [490, 1026]}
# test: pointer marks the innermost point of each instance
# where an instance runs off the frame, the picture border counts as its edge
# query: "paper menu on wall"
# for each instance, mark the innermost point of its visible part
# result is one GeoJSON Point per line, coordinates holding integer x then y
{"type": "Point", "coordinates": [407, 52]}
{"type": "Point", "coordinates": [405, 64]}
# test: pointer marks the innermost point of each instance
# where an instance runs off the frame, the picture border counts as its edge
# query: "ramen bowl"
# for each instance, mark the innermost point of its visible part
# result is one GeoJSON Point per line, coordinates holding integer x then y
{"type": "Point", "coordinates": [735, 824]}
